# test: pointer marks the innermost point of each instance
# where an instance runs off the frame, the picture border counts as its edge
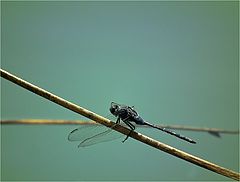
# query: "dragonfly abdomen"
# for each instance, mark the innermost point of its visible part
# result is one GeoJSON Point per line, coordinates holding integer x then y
{"type": "Point", "coordinates": [171, 133]}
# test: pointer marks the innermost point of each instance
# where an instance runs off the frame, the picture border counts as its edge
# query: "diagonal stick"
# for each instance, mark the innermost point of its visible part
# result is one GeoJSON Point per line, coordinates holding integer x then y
{"type": "Point", "coordinates": [147, 140]}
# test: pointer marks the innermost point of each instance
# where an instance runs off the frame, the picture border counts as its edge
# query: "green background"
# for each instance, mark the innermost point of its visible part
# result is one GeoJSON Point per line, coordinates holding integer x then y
{"type": "Point", "coordinates": [176, 62]}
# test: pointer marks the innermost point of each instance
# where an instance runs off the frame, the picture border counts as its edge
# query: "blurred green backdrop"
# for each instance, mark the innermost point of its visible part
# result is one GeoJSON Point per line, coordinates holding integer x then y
{"type": "Point", "coordinates": [176, 62]}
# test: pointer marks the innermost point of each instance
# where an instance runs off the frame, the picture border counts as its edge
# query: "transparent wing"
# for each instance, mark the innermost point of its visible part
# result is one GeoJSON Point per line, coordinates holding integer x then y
{"type": "Point", "coordinates": [107, 135]}
{"type": "Point", "coordinates": [84, 131]}
{"type": "Point", "coordinates": [93, 134]}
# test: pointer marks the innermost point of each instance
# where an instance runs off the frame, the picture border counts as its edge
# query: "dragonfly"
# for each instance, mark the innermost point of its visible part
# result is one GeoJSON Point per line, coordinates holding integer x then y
{"type": "Point", "coordinates": [93, 134]}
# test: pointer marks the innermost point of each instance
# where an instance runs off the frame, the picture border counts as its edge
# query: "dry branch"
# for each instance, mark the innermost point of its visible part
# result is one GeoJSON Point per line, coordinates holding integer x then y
{"type": "Point", "coordinates": [81, 122]}
{"type": "Point", "coordinates": [147, 140]}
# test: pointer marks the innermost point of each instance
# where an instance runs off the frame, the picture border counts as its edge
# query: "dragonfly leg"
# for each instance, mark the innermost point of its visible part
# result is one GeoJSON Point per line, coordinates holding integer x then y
{"type": "Point", "coordinates": [131, 126]}
{"type": "Point", "coordinates": [118, 120]}
{"type": "Point", "coordinates": [127, 136]}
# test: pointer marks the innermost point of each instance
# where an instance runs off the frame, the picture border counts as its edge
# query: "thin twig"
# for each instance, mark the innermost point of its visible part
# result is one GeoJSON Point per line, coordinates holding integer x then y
{"type": "Point", "coordinates": [147, 140]}
{"type": "Point", "coordinates": [81, 122]}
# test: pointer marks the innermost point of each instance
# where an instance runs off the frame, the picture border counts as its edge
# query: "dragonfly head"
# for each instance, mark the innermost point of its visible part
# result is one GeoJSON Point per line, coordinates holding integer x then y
{"type": "Point", "coordinates": [114, 108]}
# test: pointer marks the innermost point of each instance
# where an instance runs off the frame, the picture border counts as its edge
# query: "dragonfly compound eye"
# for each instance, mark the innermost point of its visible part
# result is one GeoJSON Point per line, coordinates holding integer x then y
{"type": "Point", "coordinates": [112, 110]}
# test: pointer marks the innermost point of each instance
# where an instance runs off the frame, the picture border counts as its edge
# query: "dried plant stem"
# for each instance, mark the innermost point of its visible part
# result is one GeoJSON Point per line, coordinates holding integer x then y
{"type": "Point", "coordinates": [147, 140]}
{"type": "Point", "coordinates": [81, 122]}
